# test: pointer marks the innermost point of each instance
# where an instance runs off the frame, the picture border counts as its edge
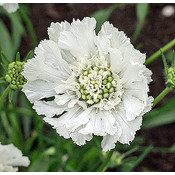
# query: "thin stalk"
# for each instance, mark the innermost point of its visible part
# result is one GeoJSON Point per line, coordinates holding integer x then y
{"type": "Point", "coordinates": [104, 166]}
{"type": "Point", "coordinates": [29, 26]}
{"type": "Point", "coordinates": [3, 96]}
{"type": "Point", "coordinates": [161, 96]}
{"type": "Point", "coordinates": [158, 53]}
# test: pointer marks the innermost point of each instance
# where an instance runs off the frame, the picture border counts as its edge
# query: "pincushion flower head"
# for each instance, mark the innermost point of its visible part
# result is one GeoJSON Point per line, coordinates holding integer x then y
{"type": "Point", "coordinates": [87, 84]}
{"type": "Point", "coordinates": [11, 157]}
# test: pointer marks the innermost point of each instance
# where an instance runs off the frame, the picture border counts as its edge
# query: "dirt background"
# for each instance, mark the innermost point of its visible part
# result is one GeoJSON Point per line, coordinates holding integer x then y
{"type": "Point", "coordinates": [158, 30]}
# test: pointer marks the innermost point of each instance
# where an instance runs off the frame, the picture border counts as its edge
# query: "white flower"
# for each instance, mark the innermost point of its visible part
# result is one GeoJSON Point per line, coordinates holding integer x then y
{"type": "Point", "coordinates": [97, 82]}
{"type": "Point", "coordinates": [10, 7]}
{"type": "Point", "coordinates": [11, 157]}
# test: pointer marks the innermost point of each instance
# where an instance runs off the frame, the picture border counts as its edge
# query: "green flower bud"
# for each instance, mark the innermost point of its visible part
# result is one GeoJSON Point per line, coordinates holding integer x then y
{"type": "Point", "coordinates": [91, 102]}
{"type": "Point", "coordinates": [105, 82]}
{"type": "Point", "coordinates": [109, 85]}
{"type": "Point", "coordinates": [171, 77]}
{"type": "Point", "coordinates": [100, 96]}
{"type": "Point", "coordinates": [86, 73]}
{"type": "Point", "coordinates": [96, 100]}
{"type": "Point", "coordinates": [105, 90]}
{"type": "Point", "coordinates": [110, 79]}
{"type": "Point", "coordinates": [14, 76]}
{"type": "Point", "coordinates": [83, 97]}
{"type": "Point", "coordinates": [106, 95]}
{"type": "Point", "coordinates": [101, 91]}
{"type": "Point", "coordinates": [8, 79]}
{"type": "Point", "coordinates": [13, 86]}
{"type": "Point", "coordinates": [111, 90]}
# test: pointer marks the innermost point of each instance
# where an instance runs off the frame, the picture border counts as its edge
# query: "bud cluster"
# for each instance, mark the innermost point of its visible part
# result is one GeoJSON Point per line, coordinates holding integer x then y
{"type": "Point", "coordinates": [96, 84]}
{"type": "Point", "coordinates": [14, 76]}
{"type": "Point", "coordinates": [171, 77]}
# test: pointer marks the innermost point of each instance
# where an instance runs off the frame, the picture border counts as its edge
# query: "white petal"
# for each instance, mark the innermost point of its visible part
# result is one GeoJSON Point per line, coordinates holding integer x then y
{"type": "Point", "coordinates": [109, 141]}
{"type": "Point", "coordinates": [118, 38]}
{"type": "Point", "coordinates": [94, 125]}
{"type": "Point", "coordinates": [148, 105]}
{"type": "Point", "coordinates": [49, 109]}
{"type": "Point", "coordinates": [52, 55]}
{"type": "Point", "coordinates": [103, 44]}
{"type": "Point", "coordinates": [80, 139]}
{"type": "Point", "coordinates": [80, 119]}
{"type": "Point", "coordinates": [100, 123]}
{"type": "Point", "coordinates": [39, 89]}
{"type": "Point", "coordinates": [133, 106]}
{"type": "Point", "coordinates": [56, 28]}
{"type": "Point", "coordinates": [80, 39]}
{"type": "Point", "coordinates": [128, 128]}
{"type": "Point", "coordinates": [116, 60]}
{"type": "Point", "coordinates": [59, 126]}
{"type": "Point", "coordinates": [36, 68]}
{"type": "Point", "coordinates": [11, 156]}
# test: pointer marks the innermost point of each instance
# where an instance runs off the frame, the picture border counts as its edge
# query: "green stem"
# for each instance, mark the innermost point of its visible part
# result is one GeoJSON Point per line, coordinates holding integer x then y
{"type": "Point", "coordinates": [158, 53]}
{"type": "Point", "coordinates": [161, 96]}
{"type": "Point", "coordinates": [3, 96]}
{"type": "Point", "coordinates": [104, 166]}
{"type": "Point", "coordinates": [29, 26]}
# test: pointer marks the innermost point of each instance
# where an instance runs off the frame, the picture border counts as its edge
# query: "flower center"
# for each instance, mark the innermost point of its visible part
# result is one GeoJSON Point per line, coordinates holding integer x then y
{"type": "Point", "coordinates": [14, 76]}
{"type": "Point", "coordinates": [96, 84]}
{"type": "Point", "coordinates": [171, 77]}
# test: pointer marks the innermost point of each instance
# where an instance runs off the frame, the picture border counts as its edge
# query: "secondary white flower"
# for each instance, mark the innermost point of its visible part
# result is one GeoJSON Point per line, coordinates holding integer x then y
{"type": "Point", "coordinates": [99, 80]}
{"type": "Point", "coordinates": [11, 157]}
{"type": "Point", "coordinates": [10, 7]}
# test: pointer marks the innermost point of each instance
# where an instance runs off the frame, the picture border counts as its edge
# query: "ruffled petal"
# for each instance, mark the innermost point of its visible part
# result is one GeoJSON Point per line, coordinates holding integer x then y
{"type": "Point", "coordinates": [12, 156]}
{"type": "Point", "coordinates": [39, 89]}
{"type": "Point", "coordinates": [80, 139]}
{"type": "Point", "coordinates": [118, 39]}
{"type": "Point", "coordinates": [128, 128]}
{"type": "Point", "coordinates": [52, 56]}
{"type": "Point", "coordinates": [56, 28]}
{"type": "Point", "coordinates": [79, 41]}
{"type": "Point", "coordinates": [49, 108]}
{"type": "Point", "coordinates": [103, 45]}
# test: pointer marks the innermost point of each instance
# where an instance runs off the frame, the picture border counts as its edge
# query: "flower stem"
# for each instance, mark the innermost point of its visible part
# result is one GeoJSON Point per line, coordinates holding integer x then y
{"type": "Point", "coordinates": [29, 26]}
{"type": "Point", "coordinates": [3, 96]}
{"type": "Point", "coordinates": [158, 53]}
{"type": "Point", "coordinates": [104, 166]}
{"type": "Point", "coordinates": [161, 96]}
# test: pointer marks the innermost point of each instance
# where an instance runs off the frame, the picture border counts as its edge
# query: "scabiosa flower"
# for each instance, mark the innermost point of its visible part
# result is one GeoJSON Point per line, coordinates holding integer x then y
{"type": "Point", "coordinates": [10, 7]}
{"type": "Point", "coordinates": [11, 157]}
{"type": "Point", "coordinates": [97, 82]}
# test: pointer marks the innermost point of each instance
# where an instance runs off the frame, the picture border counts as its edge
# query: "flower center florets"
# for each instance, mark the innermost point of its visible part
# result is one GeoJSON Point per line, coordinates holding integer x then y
{"type": "Point", "coordinates": [171, 77]}
{"type": "Point", "coordinates": [14, 76]}
{"type": "Point", "coordinates": [96, 84]}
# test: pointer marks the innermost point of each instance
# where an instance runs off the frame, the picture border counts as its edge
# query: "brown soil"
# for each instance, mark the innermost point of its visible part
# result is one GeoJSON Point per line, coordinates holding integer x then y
{"type": "Point", "coordinates": [157, 31]}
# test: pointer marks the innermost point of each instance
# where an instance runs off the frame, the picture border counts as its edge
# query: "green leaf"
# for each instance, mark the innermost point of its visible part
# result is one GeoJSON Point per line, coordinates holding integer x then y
{"type": "Point", "coordinates": [162, 116]}
{"type": "Point", "coordinates": [132, 162]}
{"type": "Point", "coordinates": [5, 60]}
{"type": "Point", "coordinates": [4, 67]}
{"type": "Point", "coordinates": [103, 15]}
{"type": "Point", "coordinates": [142, 11]}
{"type": "Point", "coordinates": [29, 55]}
{"type": "Point", "coordinates": [14, 39]}
{"type": "Point", "coordinates": [5, 41]}
{"type": "Point", "coordinates": [18, 56]}
{"type": "Point", "coordinates": [11, 93]}
{"type": "Point", "coordinates": [2, 80]}
{"type": "Point", "coordinates": [164, 62]}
